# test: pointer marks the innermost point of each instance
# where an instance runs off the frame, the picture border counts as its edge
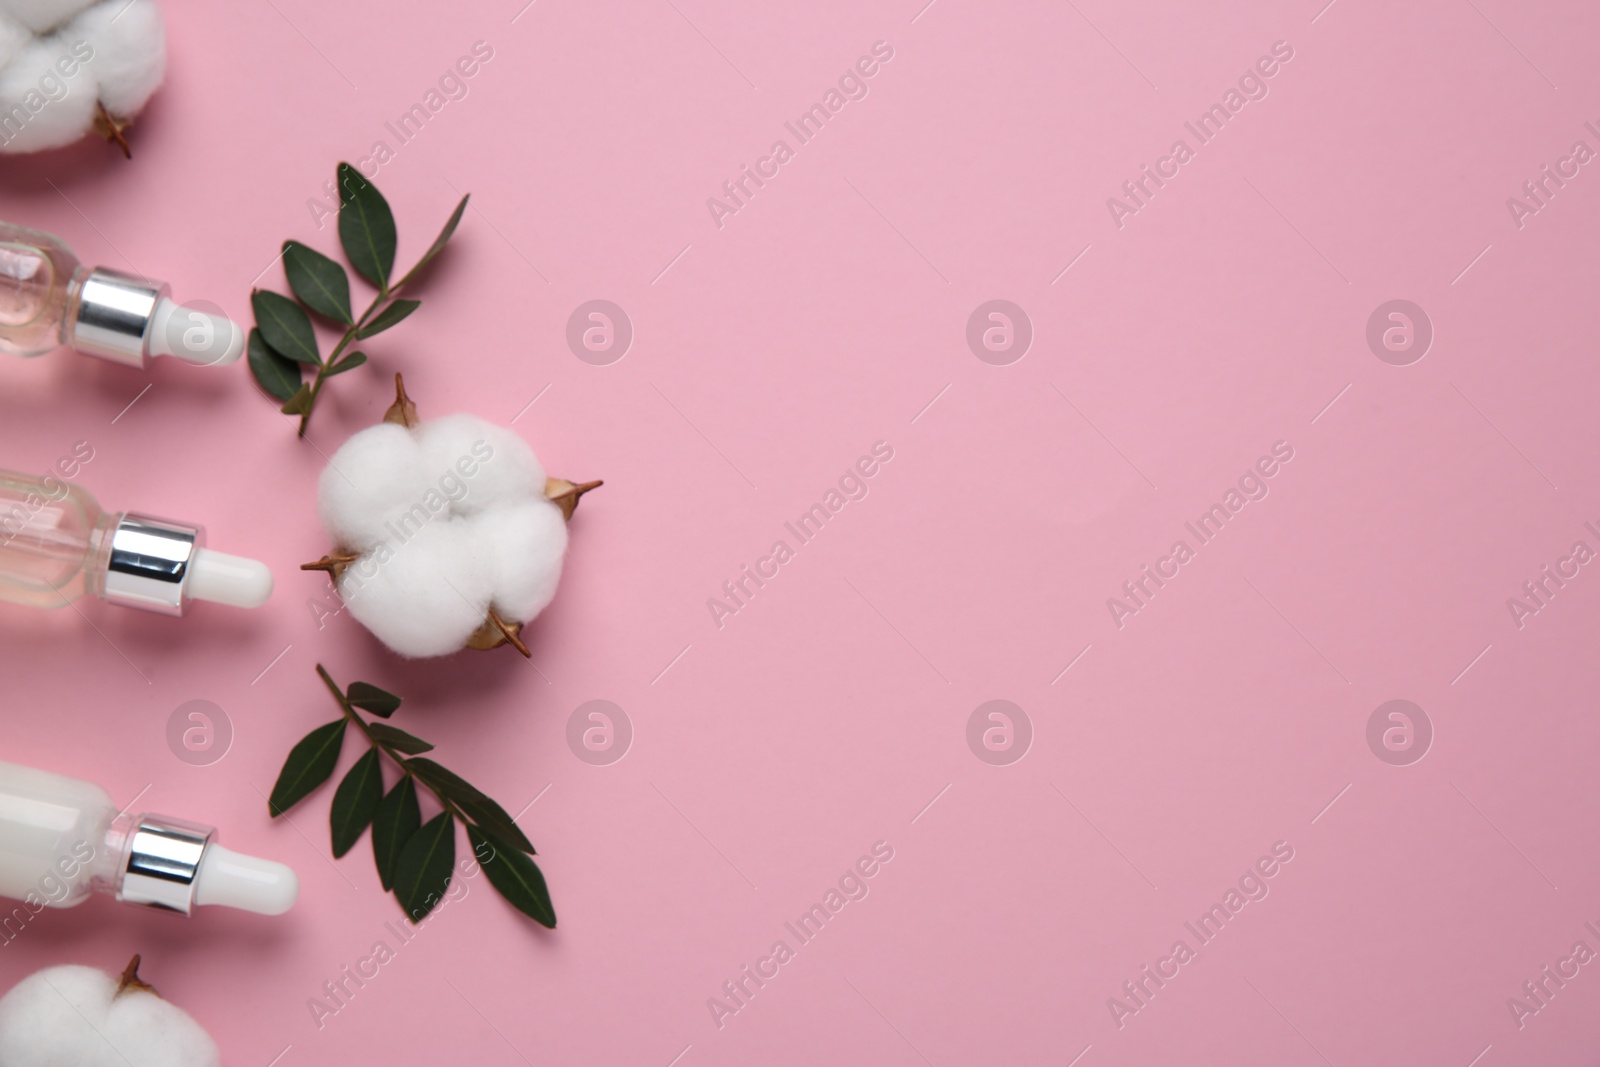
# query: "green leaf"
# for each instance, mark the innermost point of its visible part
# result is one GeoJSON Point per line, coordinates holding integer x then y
{"type": "Point", "coordinates": [422, 873]}
{"type": "Point", "coordinates": [280, 377]}
{"type": "Point", "coordinates": [321, 284]}
{"type": "Point", "coordinates": [369, 697]}
{"type": "Point", "coordinates": [285, 326]}
{"type": "Point", "coordinates": [398, 739]}
{"type": "Point", "coordinates": [310, 763]}
{"type": "Point", "coordinates": [477, 807]}
{"type": "Point", "coordinates": [397, 819]}
{"type": "Point", "coordinates": [516, 876]}
{"type": "Point", "coordinates": [350, 362]}
{"type": "Point", "coordinates": [300, 403]}
{"type": "Point", "coordinates": [355, 801]}
{"type": "Point", "coordinates": [366, 227]}
{"type": "Point", "coordinates": [389, 316]}
{"type": "Point", "coordinates": [442, 240]}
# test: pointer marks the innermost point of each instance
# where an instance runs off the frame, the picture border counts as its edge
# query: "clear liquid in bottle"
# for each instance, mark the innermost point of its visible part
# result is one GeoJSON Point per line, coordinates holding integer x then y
{"type": "Point", "coordinates": [57, 544]}
{"type": "Point", "coordinates": [39, 278]}
{"type": "Point", "coordinates": [48, 299]}
{"type": "Point", "coordinates": [50, 532]}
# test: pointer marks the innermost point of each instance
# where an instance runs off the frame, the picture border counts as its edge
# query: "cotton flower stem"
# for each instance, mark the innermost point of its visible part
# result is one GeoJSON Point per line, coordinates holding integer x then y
{"type": "Point", "coordinates": [110, 127]}
{"type": "Point", "coordinates": [511, 633]}
{"type": "Point", "coordinates": [333, 563]}
{"type": "Point", "coordinates": [402, 412]}
{"type": "Point", "coordinates": [130, 979]}
{"type": "Point", "coordinates": [565, 495]}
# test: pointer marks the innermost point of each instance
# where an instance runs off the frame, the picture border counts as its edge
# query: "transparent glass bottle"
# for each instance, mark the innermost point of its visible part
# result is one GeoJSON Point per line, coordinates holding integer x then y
{"type": "Point", "coordinates": [62, 839]}
{"type": "Point", "coordinates": [57, 545]}
{"type": "Point", "coordinates": [48, 299]}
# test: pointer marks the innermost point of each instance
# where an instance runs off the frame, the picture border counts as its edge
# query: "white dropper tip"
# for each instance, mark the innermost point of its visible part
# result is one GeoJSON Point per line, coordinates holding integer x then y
{"type": "Point", "coordinates": [195, 336]}
{"type": "Point", "coordinates": [224, 579]}
{"type": "Point", "coordinates": [245, 882]}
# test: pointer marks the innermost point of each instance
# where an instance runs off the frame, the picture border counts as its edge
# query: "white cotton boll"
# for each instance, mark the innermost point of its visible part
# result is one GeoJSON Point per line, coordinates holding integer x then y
{"type": "Point", "coordinates": [74, 1017]}
{"type": "Point", "coordinates": [522, 546]}
{"type": "Point", "coordinates": [42, 16]}
{"type": "Point", "coordinates": [149, 1032]}
{"type": "Point", "coordinates": [130, 51]}
{"type": "Point", "coordinates": [14, 37]}
{"type": "Point", "coordinates": [374, 479]}
{"type": "Point", "coordinates": [61, 60]}
{"type": "Point", "coordinates": [447, 520]}
{"type": "Point", "coordinates": [423, 597]}
{"type": "Point", "coordinates": [504, 467]}
{"type": "Point", "coordinates": [45, 1018]}
{"type": "Point", "coordinates": [39, 108]}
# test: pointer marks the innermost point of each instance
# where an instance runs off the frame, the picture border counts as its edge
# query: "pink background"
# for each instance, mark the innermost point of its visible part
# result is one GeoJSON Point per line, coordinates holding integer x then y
{"type": "Point", "coordinates": [769, 754]}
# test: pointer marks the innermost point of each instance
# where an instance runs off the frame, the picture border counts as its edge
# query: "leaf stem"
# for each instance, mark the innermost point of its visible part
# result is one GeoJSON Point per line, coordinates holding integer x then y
{"type": "Point", "coordinates": [387, 292]}
{"type": "Point", "coordinates": [403, 764]}
{"type": "Point", "coordinates": [333, 357]}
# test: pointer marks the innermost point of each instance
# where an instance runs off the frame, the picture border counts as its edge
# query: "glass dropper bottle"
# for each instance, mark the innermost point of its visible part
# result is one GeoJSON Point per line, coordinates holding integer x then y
{"type": "Point", "coordinates": [57, 545]}
{"type": "Point", "coordinates": [48, 299]}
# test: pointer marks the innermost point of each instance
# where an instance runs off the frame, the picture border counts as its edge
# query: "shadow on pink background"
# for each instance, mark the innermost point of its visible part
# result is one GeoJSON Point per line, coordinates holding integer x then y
{"type": "Point", "coordinates": [1165, 751]}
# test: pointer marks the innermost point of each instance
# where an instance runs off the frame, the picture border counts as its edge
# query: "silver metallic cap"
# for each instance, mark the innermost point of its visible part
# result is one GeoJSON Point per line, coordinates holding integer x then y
{"type": "Point", "coordinates": [149, 563]}
{"type": "Point", "coordinates": [163, 863]}
{"type": "Point", "coordinates": [115, 311]}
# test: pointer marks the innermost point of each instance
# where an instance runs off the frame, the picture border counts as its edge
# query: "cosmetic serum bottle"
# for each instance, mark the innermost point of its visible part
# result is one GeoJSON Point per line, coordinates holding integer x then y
{"type": "Point", "coordinates": [62, 839]}
{"type": "Point", "coordinates": [48, 299]}
{"type": "Point", "coordinates": [57, 545]}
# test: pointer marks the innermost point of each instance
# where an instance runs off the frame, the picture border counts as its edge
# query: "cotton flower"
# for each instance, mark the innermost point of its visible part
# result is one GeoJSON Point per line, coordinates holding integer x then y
{"type": "Point", "coordinates": [71, 66]}
{"type": "Point", "coordinates": [83, 1017]}
{"type": "Point", "coordinates": [449, 534]}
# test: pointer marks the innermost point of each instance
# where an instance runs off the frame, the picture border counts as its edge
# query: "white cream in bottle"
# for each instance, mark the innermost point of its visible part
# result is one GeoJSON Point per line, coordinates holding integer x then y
{"type": "Point", "coordinates": [62, 839]}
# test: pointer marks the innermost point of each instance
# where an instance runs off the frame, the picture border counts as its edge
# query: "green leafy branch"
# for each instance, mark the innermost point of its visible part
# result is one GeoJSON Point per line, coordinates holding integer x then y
{"type": "Point", "coordinates": [284, 343]}
{"type": "Point", "coordinates": [415, 860]}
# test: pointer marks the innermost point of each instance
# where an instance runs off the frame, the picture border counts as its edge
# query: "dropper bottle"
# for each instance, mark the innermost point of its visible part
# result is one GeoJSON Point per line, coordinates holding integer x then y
{"type": "Point", "coordinates": [49, 299]}
{"type": "Point", "coordinates": [57, 545]}
{"type": "Point", "coordinates": [62, 839]}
